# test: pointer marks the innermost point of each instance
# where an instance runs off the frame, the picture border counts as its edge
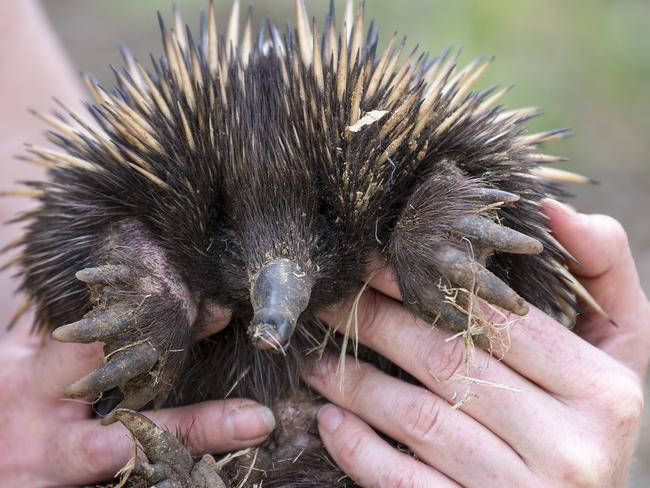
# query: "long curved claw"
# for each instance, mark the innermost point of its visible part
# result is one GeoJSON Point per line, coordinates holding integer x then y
{"type": "Point", "coordinates": [160, 446]}
{"type": "Point", "coordinates": [103, 274]}
{"type": "Point", "coordinates": [134, 398]}
{"type": "Point", "coordinates": [439, 311]}
{"type": "Point", "coordinates": [461, 269]}
{"type": "Point", "coordinates": [490, 195]}
{"type": "Point", "coordinates": [497, 236]}
{"type": "Point", "coordinates": [155, 473]}
{"type": "Point", "coordinates": [122, 367]}
{"type": "Point", "coordinates": [97, 328]}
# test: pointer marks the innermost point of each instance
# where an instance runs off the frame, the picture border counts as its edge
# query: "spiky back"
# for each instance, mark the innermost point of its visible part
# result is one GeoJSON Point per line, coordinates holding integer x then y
{"type": "Point", "coordinates": [203, 146]}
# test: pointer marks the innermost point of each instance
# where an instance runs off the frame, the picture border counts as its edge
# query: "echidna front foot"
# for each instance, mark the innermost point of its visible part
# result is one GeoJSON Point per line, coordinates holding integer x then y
{"type": "Point", "coordinates": [169, 464]}
{"type": "Point", "coordinates": [442, 246]}
{"type": "Point", "coordinates": [143, 313]}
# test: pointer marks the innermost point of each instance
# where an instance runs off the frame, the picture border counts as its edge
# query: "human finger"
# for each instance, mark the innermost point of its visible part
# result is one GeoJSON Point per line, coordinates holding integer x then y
{"type": "Point", "coordinates": [368, 459]}
{"type": "Point", "coordinates": [441, 436]}
{"type": "Point", "coordinates": [539, 348]}
{"type": "Point", "coordinates": [87, 452]}
{"type": "Point", "coordinates": [608, 272]}
{"type": "Point", "coordinates": [58, 364]}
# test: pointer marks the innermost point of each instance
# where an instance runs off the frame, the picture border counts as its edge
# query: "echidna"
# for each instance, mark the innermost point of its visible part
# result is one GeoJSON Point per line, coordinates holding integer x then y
{"type": "Point", "coordinates": [259, 176]}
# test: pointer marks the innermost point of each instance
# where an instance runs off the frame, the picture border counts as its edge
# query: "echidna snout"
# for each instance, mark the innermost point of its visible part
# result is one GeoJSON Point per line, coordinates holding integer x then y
{"type": "Point", "coordinates": [280, 293]}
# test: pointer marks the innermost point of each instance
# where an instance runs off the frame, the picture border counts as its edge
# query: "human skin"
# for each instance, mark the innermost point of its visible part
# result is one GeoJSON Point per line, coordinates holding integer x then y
{"type": "Point", "coordinates": [570, 417]}
{"type": "Point", "coordinates": [573, 423]}
{"type": "Point", "coordinates": [45, 440]}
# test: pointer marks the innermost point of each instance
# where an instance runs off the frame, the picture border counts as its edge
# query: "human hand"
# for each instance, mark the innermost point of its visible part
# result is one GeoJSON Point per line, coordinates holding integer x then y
{"type": "Point", "coordinates": [572, 421]}
{"type": "Point", "coordinates": [46, 441]}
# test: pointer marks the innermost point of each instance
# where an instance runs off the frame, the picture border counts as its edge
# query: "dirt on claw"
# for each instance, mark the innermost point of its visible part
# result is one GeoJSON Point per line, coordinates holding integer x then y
{"type": "Point", "coordinates": [169, 464]}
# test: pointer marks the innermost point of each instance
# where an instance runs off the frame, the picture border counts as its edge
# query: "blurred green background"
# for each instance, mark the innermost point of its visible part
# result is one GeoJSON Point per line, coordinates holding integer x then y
{"type": "Point", "coordinates": [586, 62]}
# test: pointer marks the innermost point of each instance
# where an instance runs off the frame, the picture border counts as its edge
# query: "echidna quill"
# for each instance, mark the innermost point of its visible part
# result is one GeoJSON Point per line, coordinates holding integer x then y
{"type": "Point", "coordinates": [258, 176]}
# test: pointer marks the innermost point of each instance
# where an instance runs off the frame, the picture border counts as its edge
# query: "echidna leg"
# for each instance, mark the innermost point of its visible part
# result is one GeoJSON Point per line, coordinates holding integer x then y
{"type": "Point", "coordinates": [142, 311]}
{"type": "Point", "coordinates": [170, 464]}
{"type": "Point", "coordinates": [441, 246]}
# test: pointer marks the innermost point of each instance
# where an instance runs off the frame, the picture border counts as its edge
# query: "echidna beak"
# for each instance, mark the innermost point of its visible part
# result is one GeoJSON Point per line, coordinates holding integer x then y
{"type": "Point", "coordinates": [280, 292]}
{"type": "Point", "coordinates": [271, 331]}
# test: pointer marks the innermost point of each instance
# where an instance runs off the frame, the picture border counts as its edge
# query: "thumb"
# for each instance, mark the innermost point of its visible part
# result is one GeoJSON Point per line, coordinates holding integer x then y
{"type": "Point", "coordinates": [90, 452]}
{"type": "Point", "coordinates": [608, 272]}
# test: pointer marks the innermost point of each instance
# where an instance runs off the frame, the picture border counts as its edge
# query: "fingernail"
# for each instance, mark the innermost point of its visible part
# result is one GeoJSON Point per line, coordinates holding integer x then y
{"type": "Point", "coordinates": [566, 209]}
{"type": "Point", "coordinates": [563, 207]}
{"type": "Point", "coordinates": [330, 418]}
{"type": "Point", "coordinates": [250, 422]}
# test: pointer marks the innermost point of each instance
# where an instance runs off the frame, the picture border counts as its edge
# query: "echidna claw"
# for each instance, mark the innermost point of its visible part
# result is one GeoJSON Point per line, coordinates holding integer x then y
{"type": "Point", "coordinates": [160, 446]}
{"type": "Point", "coordinates": [156, 473]}
{"type": "Point", "coordinates": [438, 311]}
{"type": "Point", "coordinates": [123, 366]}
{"type": "Point", "coordinates": [170, 463]}
{"type": "Point", "coordinates": [137, 365]}
{"type": "Point", "coordinates": [103, 274]}
{"type": "Point", "coordinates": [497, 237]}
{"type": "Point", "coordinates": [95, 328]}
{"type": "Point", "coordinates": [135, 397]}
{"type": "Point", "coordinates": [460, 269]}
{"type": "Point", "coordinates": [433, 306]}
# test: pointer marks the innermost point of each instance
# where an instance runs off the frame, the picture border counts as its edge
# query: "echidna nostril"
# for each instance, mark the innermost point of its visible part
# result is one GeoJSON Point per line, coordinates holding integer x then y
{"type": "Point", "coordinates": [271, 332]}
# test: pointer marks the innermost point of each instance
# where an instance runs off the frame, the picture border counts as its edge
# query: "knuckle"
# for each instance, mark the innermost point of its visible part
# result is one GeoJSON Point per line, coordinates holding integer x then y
{"type": "Point", "coordinates": [13, 464]}
{"type": "Point", "coordinates": [617, 233]}
{"type": "Point", "coordinates": [342, 374]}
{"type": "Point", "coordinates": [582, 467]}
{"type": "Point", "coordinates": [96, 451]}
{"type": "Point", "coordinates": [319, 369]}
{"type": "Point", "coordinates": [350, 450]}
{"type": "Point", "coordinates": [619, 397]}
{"type": "Point", "coordinates": [358, 384]}
{"type": "Point", "coordinates": [197, 436]}
{"type": "Point", "coordinates": [443, 363]}
{"type": "Point", "coordinates": [635, 403]}
{"type": "Point", "coordinates": [421, 418]}
{"type": "Point", "coordinates": [625, 401]}
{"type": "Point", "coordinates": [370, 313]}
